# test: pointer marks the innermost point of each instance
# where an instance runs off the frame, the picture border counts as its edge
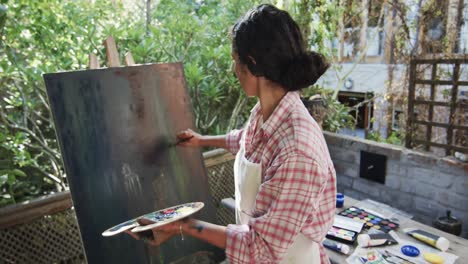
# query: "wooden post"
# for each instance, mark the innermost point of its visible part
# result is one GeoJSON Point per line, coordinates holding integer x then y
{"type": "Point", "coordinates": [129, 59]}
{"type": "Point", "coordinates": [453, 105]}
{"type": "Point", "coordinates": [93, 61]}
{"type": "Point", "coordinates": [112, 53]}
{"type": "Point", "coordinates": [112, 56]}
{"type": "Point", "coordinates": [431, 107]}
{"type": "Point", "coordinates": [411, 94]}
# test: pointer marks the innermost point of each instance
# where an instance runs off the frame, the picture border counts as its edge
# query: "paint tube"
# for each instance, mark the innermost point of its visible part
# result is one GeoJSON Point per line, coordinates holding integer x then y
{"type": "Point", "coordinates": [441, 243]}
{"type": "Point", "coordinates": [374, 240]}
{"type": "Point", "coordinates": [336, 246]}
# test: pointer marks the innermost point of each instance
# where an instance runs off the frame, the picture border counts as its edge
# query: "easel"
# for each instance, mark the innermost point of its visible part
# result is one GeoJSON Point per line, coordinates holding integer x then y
{"type": "Point", "coordinates": [111, 117]}
{"type": "Point", "coordinates": [112, 56]}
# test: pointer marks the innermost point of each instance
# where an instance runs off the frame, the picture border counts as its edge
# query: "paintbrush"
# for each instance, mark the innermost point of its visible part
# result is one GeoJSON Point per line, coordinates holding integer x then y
{"type": "Point", "coordinates": [181, 140]}
{"type": "Point", "coordinates": [160, 147]}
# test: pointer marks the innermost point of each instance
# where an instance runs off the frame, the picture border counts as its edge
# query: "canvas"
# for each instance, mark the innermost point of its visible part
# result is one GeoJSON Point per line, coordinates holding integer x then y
{"type": "Point", "coordinates": [115, 127]}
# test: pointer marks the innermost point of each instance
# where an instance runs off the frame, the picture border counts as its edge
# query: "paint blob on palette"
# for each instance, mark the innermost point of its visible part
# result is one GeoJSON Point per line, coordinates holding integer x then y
{"type": "Point", "coordinates": [159, 218]}
{"type": "Point", "coordinates": [370, 220]}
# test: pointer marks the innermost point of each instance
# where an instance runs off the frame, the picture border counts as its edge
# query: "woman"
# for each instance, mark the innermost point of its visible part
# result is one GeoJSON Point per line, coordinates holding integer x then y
{"type": "Point", "coordinates": [284, 177]}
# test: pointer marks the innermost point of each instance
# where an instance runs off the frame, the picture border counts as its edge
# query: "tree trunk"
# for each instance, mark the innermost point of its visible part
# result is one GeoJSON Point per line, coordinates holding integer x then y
{"type": "Point", "coordinates": [240, 104]}
{"type": "Point", "coordinates": [390, 26]}
{"type": "Point", "coordinates": [148, 16]}
{"type": "Point", "coordinates": [390, 95]}
{"type": "Point", "coordinates": [393, 24]}
{"type": "Point", "coordinates": [364, 19]}
{"type": "Point", "coordinates": [454, 11]}
{"type": "Point", "coordinates": [305, 19]}
{"type": "Point", "coordinates": [415, 48]}
{"type": "Point", "coordinates": [341, 31]}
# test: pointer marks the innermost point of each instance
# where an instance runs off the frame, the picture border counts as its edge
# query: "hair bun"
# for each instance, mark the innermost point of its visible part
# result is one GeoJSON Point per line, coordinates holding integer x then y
{"type": "Point", "coordinates": [304, 70]}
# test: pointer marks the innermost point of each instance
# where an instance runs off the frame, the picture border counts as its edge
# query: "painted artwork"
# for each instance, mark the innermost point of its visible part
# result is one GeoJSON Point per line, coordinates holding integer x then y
{"type": "Point", "coordinates": [116, 128]}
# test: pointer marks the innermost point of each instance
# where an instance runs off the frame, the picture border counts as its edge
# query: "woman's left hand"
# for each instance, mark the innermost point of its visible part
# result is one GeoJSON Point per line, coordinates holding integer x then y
{"type": "Point", "coordinates": [158, 235]}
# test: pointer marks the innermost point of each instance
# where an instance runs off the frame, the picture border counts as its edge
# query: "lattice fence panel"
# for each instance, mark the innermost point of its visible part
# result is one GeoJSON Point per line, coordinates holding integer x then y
{"type": "Point", "coordinates": [221, 180]}
{"type": "Point", "coordinates": [56, 238]}
{"type": "Point", "coordinates": [225, 216]}
{"type": "Point", "coordinates": [437, 105]}
{"type": "Point", "coordinates": [50, 239]}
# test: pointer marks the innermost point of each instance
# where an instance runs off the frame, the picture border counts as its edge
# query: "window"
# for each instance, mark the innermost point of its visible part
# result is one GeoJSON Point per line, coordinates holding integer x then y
{"type": "Point", "coordinates": [397, 118]}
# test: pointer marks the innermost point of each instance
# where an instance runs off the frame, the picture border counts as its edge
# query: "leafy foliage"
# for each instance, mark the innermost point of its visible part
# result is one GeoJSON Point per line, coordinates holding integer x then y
{"type": "Point", "coordinates": [202, 42]}
{"type": "Point", "coordinates": [336, 115]}
{"type": "Point", "coordinates": [39, 36]}
{"type": "Point", "coordinates": [394, 138]}
{"type": "Point", "coordinates": [58, 35]}
{"type": "Point", "coordinates": [319, 23]}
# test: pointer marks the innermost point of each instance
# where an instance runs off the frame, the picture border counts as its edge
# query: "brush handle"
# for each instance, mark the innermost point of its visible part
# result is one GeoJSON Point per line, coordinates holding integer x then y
{"type": "Point", "coordinates": [182, 140]}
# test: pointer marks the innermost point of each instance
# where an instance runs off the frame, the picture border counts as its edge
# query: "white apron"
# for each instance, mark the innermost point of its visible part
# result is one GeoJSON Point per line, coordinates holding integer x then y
{"type": "Point", "coordinates": [247, 180]}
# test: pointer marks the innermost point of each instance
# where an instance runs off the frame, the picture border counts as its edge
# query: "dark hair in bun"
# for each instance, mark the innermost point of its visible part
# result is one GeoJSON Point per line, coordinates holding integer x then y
{"type": "Point", "coordinates": [269, 42]}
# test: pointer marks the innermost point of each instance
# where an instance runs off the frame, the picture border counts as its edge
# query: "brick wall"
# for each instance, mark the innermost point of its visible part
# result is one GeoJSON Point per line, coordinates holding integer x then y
{"type": "Point", "coordinates": [421, 184]}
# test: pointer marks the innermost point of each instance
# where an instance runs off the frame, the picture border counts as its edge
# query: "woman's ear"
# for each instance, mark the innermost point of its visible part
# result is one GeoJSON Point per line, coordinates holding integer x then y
{"type": "Point", "coordinates": [251, 65]}
{"type": "Point", "coordinates": [246, 70]}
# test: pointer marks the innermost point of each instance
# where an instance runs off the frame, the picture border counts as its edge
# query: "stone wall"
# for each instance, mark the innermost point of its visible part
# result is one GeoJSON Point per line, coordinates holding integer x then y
{"type": "Point", "coordinates": [421, 184]}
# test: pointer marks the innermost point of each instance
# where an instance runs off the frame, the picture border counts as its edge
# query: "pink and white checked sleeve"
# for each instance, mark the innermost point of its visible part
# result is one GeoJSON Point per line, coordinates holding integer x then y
{"type": "Point", "coordinates": [292, 195]}
{"type": "Point", "coordinates": [233, 140]}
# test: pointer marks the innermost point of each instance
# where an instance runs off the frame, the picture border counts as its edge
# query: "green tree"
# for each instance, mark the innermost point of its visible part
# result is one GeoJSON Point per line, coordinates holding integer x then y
{"type": "Point", "coordinates": [40, 37]}
{"type": "Point", "coordinates": [44, 36]}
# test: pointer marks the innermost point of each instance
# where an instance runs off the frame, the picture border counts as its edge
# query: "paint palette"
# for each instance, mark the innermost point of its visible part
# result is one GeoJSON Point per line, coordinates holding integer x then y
{"type": "Point", "coordinates": [159, 218]}
{"type": "Point", "coordinates": [370, 220]}
{"type": "Point", "coordinates": [342, 235]}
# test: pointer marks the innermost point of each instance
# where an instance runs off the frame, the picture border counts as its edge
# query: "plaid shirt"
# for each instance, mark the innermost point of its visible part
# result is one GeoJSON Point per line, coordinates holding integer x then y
{"type": "Point", "coordinates": [298, 190]}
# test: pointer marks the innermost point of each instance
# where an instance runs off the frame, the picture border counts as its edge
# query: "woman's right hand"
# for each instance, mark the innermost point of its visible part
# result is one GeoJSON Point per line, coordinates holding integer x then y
{"type": "Point", "coordinates": [189, 138]}
{"type": "Point", "coordinates": [156, 236]}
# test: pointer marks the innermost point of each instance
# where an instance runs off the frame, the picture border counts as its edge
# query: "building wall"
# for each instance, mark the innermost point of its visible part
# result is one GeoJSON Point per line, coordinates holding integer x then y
{"type": "Point", "coordinates": [368, 78]}
{"type": "Point", "coordinates": [374, 78]}
{"type": "Point", "coordinates": [423, 185]}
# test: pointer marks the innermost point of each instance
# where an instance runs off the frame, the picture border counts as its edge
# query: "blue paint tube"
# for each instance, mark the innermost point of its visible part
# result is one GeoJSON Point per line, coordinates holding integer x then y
{"type": "Point", "coordinates": [336, 246]}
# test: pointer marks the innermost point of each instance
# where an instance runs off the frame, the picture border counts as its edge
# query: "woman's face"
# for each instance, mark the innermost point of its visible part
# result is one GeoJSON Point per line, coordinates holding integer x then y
{"type": "Point", "coordinates": [246, 79]}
